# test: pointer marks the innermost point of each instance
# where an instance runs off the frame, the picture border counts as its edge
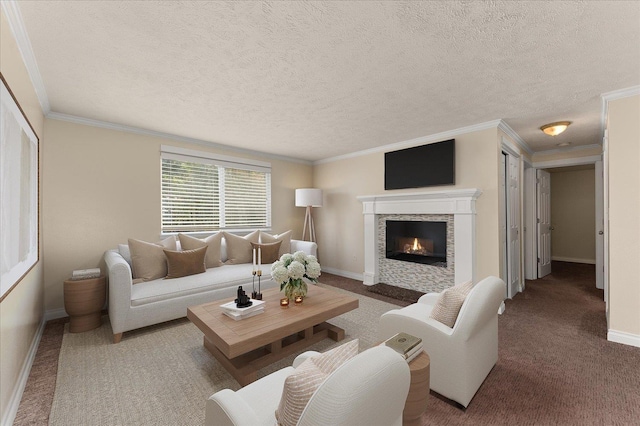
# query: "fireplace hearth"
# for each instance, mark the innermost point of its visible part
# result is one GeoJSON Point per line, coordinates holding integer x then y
{"type": "Point", "coordinates": [417, 241]}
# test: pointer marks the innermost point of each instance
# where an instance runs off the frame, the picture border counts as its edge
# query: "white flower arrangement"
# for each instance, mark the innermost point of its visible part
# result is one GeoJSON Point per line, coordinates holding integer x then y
{"type": "Point", "coordinates": [290, 270]}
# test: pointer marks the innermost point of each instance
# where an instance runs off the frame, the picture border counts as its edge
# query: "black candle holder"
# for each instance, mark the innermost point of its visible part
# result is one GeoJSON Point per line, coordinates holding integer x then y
{"type": "Point", "coordinates": [256, 295]}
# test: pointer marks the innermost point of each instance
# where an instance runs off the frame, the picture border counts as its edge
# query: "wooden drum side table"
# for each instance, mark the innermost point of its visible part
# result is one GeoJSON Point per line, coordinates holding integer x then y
{"type": "Point", "coordinates": [83, 301]}
{"type": "Point", "coordinates": [418, 395]}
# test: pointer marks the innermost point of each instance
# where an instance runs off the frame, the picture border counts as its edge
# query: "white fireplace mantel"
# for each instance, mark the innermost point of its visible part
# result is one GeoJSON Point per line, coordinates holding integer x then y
{"type": "Point", "coordinates": [458, 202]}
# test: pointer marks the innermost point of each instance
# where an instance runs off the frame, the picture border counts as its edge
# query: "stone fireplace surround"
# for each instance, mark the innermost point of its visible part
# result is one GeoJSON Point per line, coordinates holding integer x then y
{"type": "Point", "coordinates": [410, 275]}
{"type": "Point", "coordinates": [460, 203]}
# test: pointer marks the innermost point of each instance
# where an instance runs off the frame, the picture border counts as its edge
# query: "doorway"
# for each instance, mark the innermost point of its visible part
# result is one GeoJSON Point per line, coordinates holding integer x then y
{"type": "Point", "coordinates": [573, 214]}
{"type": "Point", "coordinates": [583, 184]}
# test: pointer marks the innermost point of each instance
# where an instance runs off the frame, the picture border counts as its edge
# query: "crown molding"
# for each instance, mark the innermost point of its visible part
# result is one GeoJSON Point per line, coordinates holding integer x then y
{"type": "Point", "coordinates": [622, 93]}
{"type": "Point", "coordinates": [612, 96]}
{"type": "Point", "coordinates": [137, 130]}
{"type": "Point", "coordinates": [413, 142]}
{"type": "Point", "coordinates": [12, 12]}
{"type": "Point", "coordinates": [516, 137]}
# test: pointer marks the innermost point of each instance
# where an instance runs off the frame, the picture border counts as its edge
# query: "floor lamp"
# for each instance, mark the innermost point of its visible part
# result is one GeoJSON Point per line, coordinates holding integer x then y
{"type": "Point", "coordinates": [308, 197]}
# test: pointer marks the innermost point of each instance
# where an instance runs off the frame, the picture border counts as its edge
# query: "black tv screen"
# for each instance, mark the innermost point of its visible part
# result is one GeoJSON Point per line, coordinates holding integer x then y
{"type": "Point", "coordinates": [426, 165]}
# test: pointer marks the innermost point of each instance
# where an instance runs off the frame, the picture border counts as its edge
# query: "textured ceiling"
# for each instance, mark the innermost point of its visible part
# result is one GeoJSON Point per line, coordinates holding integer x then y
{"type": "Point", "coordinates": [314, 80]}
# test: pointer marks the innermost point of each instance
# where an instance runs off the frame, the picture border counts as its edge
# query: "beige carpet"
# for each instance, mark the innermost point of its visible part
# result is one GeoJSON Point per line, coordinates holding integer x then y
{"type": "Point", "coordinates": [161, 374]}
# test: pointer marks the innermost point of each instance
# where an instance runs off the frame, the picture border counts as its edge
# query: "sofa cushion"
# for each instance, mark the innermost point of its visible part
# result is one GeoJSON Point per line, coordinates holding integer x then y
{"type": "Point", "coordinates": [225, 277]}
{"type": "Point", "coordinates": [285, 237]}
{"type": "Point", "coordinates": [270, 252]}
{"type": "Point", "coordinates": [214, 252]}
{"type": "Point", "coordinates": [239, 249]}
{"type": "Point", "coordinates": [185, 262]}
{"type": "Point", "coordinates": [148, 261]}
{"type": "Point", "coordinates": [303, 382]}
{"type": "Point", "coordinates": [124, 251]}
{"type": "Point", "coordinates": [449, 303]}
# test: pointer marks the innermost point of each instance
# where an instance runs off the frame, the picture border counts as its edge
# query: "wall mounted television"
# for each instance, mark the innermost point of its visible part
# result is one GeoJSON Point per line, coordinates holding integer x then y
{"type": "Point", "coordinates": [426, 165]}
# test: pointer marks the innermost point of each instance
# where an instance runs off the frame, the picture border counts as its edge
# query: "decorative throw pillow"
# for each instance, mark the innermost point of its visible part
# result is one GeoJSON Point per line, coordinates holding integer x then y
{"type": "Point", "coordinates": [239, 249]}
{"type": "Point", "coordinates": [186, 262]}
{"type": "Point", "coordinates": [285, 237]}
{"type": "Point", "coordinates": [449, 303]}
{"type": "Point", "coordinates": [308, 376]}
{"type": "Point", "coordinates": [214, 243]}
{"type": "Point", "coordinates": [270, 252]}
{"type": "Point", "coordinates": [148, 261]}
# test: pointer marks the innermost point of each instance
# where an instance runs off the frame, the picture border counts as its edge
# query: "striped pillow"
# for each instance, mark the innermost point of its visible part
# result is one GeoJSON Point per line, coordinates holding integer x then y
{"type": "Point", "coordinates": [449, 303]}
{"type": "Point", "coordinates": [302, 384]}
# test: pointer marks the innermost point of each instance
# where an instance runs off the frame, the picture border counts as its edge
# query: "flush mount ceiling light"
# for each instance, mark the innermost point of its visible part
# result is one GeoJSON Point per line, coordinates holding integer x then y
{"type": "Point", "coordinates": [554, 129]}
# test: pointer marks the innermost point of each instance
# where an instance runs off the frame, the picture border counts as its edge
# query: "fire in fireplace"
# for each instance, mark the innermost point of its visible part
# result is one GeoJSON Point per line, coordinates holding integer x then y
{"type": "Point", "coordinates": [419, 246]}
{"type": "Point", "coordinates": [417, 241]}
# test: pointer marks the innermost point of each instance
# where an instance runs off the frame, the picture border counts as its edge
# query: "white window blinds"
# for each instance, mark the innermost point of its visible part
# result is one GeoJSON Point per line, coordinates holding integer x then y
{"type": "Point", "coordinates": [203, 192]}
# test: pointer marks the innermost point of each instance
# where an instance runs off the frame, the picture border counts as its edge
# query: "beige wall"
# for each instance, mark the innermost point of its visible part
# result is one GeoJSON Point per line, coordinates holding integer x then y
{"type": "Point", "coordinates": [102, 186]}
{"type": "Point", "coordinates": [573, 216]}
{"type": "Point", "coordinates": [624, 217]}
{"type": "Point", "coordinates": [21, 310]}
{"type": "Point", "coordinates": [340, 223]}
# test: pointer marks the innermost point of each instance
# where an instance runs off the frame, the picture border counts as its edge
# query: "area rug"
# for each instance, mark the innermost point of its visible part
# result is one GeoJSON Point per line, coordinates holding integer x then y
{"type": "Point", "coordinates": [162, 374]}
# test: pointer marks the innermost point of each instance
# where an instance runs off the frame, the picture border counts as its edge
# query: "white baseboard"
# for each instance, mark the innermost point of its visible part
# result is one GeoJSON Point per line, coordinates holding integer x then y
{"type": "Point", "coordinates": [346, 274]}
{"type": "Point", "coordinates": [624, 338]}
{"type": "Point", "coordinates": [12, 409]}
{"type": "Point", "coordinates": [502, 308]}
{"type": "Point", "coordinates": [55, 314]}
{"type": "Point", "coordinates": [573, 260]}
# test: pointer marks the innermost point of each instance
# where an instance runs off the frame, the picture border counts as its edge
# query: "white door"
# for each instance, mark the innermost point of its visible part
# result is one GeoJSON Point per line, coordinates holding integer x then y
{"type": "Point", "coordinates": [510, 222]}
{"type": "Point", "coordinates": [544, 223]}
{"type": "Point", "coordinates": [605, 216]}
{"type": "Point", "coordinates": [599, 227]}
{"type": "Point", "coordinates": [530, 232]}
{"type": "Point", "coordinates": [513, 224]}
{"type": "Point", "coordinates": [504, 227]}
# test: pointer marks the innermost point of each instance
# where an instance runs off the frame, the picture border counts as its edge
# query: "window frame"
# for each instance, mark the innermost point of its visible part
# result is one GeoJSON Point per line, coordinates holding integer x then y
{"type": "Point", "coordinates": [169, 152]}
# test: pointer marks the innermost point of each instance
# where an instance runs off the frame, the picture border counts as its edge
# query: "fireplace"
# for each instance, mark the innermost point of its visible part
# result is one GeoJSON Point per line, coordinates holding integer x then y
{"type": "Point", "coordinates": [456, 206]}
{"type": "Point", "coordinates": [417, 241]}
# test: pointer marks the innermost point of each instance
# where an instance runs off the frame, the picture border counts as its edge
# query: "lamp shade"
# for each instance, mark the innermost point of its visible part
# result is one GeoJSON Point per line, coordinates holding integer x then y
{"type": "Point", "coordinates": [308, 197]}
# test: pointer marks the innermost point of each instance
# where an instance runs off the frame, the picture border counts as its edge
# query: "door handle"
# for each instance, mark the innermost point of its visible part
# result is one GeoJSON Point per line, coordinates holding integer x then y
{"type": "Point", "coordinates": [551, 228]}
{"type": "Point", "coordinates": [600, 232]}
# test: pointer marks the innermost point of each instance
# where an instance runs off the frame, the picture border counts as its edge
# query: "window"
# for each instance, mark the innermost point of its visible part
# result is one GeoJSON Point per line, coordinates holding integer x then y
{"type": "Point", "coordinates": [203, 192]}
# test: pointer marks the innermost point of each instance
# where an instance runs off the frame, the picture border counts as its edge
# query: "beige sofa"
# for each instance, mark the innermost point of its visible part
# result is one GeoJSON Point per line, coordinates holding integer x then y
{"type": "Point", "coordinates": [152, 302]}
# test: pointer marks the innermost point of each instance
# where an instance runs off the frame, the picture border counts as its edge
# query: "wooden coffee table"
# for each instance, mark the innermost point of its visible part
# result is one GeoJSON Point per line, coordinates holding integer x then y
{"type": "Point", "coordinates": [245, 346]}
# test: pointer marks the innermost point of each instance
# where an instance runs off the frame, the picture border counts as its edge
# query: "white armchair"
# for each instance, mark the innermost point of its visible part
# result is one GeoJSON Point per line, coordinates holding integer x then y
{"type": "Point", "coordinates": [369, 389]}
{"type": "Point", "coordinates": [462, 356]}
